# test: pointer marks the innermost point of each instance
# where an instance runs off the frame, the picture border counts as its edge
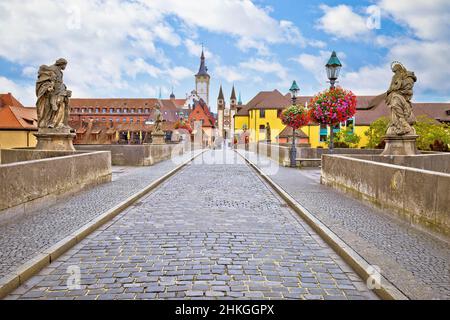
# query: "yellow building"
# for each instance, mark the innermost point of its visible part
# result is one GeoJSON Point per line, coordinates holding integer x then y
{"type": "Point", "coordinates": [17, 123]}
{"type": "Point", "coordinates": [267, 106]}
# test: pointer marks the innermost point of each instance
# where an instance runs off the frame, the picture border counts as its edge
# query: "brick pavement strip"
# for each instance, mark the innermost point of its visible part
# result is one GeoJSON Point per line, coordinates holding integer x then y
{"type": "Point", "coordinates": [414, 261]}
{"type": "Point", "coordinates": [31, 241]}
{"type": "Point", "coordinates": [207, 217]}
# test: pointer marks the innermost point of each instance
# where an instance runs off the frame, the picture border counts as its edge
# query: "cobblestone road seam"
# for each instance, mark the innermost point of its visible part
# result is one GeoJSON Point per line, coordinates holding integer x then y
{"type": "Point", "coordinates": [12, 281]}
{"type": "Point", "coordinates": [387, 290]}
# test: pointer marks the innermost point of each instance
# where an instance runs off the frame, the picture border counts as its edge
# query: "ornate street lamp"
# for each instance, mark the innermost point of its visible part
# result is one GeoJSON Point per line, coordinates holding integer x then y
{"type": "Point", "coordinates": [333, 67]}
{"type": "Point", "coordinates": [293, 151]}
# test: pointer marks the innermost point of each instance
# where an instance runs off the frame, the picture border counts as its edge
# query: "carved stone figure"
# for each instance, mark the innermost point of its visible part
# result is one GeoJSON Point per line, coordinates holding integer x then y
{"type": "Point", "coordinates": [52, 97]}
{"type": "Point", "coordinates": [158, 119]}
{"type": "Point", "coordinates": [400, 135]}
{"type": "Point", "coordinates": [52, 107]}
{"type": "Point", "coordinates": [398, 99]}
{"type": "Point", "coordinates": [158, 136]}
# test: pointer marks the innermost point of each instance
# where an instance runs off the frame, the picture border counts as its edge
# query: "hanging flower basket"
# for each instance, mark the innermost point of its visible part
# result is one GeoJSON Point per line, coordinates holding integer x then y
{"type": "Point", "coordinates": [295, 117]}
{"type": "Point", "coordinates": [332, 106]}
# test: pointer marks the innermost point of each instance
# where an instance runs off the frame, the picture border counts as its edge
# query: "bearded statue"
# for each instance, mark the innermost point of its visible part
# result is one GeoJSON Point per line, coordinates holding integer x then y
{"type": "Point", "coordinates": [398, 99]}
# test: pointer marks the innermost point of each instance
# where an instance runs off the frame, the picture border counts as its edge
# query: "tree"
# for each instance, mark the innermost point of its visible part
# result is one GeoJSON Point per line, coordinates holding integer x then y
{"type": "Point", "coordinates": [347, 138]}
{"type": "Point", "coordinates": [433, 135]}
{"type": "Point", "coordinates": [376, 132]}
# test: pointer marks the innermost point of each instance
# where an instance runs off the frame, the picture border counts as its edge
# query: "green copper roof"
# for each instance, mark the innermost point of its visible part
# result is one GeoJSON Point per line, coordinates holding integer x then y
{"type": "Point", "coordinates": [334, 61]}
{"type": "Point", "coordinates": [294, 87]}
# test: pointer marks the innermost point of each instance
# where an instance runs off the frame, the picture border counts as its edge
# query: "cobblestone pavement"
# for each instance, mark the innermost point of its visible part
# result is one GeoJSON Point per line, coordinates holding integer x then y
{"type": "Point", "coordinates": [211, 231]}
{"type": "Point", "coordinates": [416, 262]}
{"type": "Point", "coordinates": [28, 235]}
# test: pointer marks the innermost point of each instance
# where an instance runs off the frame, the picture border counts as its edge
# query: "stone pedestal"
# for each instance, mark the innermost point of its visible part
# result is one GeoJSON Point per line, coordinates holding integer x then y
{"type": "Point", "coordinates": [400, 145]}
{"type": "Point", "coordinates": [158, 138]}
{"type": "Point", "coordinates": [56, 140]}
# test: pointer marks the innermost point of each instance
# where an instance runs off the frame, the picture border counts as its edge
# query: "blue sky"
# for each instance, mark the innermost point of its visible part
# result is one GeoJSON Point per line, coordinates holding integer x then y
{"type": "Point", "coordinates": [134, 48]}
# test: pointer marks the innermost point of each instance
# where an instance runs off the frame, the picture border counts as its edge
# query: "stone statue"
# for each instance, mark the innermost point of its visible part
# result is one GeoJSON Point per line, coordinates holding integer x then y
{"type": "Point", "coordinates": [400, 136]}
{"type": "Point", "coordinates": [52, 107]}
{"type": "Point", "coordinates": [52, 103]}
{"type": "Point", "coordinates": [158, 119]}
{"type": "Point", "coordinates": [268, 133]}
{"type": "Point", "coordinates": [398, 99]}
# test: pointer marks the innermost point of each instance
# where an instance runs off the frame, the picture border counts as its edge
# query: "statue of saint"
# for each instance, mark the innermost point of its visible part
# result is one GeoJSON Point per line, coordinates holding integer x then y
{"type": "Point", "coordinates": [268, 133]}
{"type": "Point", "coordinates": [398, 99]}
{"type": "Point", "coordinates": [158, 119]}
{"type": "Point", "coordinates": [52, 103]}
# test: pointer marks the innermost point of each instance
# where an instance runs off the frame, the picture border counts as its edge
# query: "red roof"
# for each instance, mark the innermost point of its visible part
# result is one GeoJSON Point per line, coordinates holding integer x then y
{"type": "Point", "coordinates": [13, 115]}
{"type": "Point", "coordinates": [202, 112]}
{"type": "Point", "coordinates": [368, 109]}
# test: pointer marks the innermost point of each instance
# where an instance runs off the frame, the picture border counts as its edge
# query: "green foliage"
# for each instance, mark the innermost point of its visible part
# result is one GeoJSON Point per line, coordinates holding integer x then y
{"type": "Point", "coordinates": [376, 132]}
{"type": "Point", "coordinates": [433, 135]}
{"type": "Point", "coordinates": [346, 138]}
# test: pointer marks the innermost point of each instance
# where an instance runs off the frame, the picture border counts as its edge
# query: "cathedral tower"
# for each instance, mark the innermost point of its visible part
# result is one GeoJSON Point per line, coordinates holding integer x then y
{"type": "Point", "coordinates": [220, 111]}
{"type": "Point", "coordinates": [202, 80]}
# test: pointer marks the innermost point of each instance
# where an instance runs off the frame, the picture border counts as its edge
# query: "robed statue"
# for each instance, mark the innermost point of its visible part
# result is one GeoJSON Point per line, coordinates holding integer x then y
{"type": "Point", "coordinates": [400, 138]}
{"type": "Point", "coordinates": [52, 103]}
{"type": "Point", "coordinates": [398, 99]}
{"type": "Point", "coordinates": [158, 119]}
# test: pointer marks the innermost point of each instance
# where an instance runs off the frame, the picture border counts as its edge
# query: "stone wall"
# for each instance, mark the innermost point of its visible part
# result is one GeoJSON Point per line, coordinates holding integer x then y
{"type": "Point", "coordinates": [280, 153]}
{"type": "Point", "coordinates": [439, 162]}
{"type": "Point", "coordinates": [26, 183]}
{"type": "Point", "coordinates": [421, 197]}
{"type": "Point", "coordinates": [28, 154]}
{"type": "Point", "coordinates": [136, 155]}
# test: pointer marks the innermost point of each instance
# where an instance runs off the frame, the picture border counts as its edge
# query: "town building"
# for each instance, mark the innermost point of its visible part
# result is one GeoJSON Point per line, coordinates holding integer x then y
{"type": "Point", "coordinates": [17, 123]}
{"type": "Point", "coordinates": [225, 114]}
{"type": "Point", "coordinates": [202, 114]}
{"type": "Point", "coordinates": [266, 107]}
{"type": "Point", "coordinates": [124, 120]}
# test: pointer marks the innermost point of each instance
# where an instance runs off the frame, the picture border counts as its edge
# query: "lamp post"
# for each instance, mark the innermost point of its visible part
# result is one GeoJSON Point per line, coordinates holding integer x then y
{"type": "Point", "coordinates": [293, 151]}
{"type": "Point", "coordinates": [333, 67]}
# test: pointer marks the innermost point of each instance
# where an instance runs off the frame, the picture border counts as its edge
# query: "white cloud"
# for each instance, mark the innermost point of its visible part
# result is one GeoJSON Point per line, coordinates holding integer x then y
{"type": "Point", "coordinates": [244, 44]}
{"type": "Point", "coordinates": [25, 94]}
{"type": "Point", "coordinates": [195, 49]}
{"type": "Point", "coordinates": [179, 73]}
{"type": "Point", "coordinates": [428, 19]}
{"type": "Point", "coordinates": [140, 66]}
{"type": "Point", "coordinates": [265, 66]}
{"type": "Point", "coordinates": [342, 22]}
{"type": "Point", "coordinates": [250, 24]}
{"type": "Point", "coordinates": [230, 74]}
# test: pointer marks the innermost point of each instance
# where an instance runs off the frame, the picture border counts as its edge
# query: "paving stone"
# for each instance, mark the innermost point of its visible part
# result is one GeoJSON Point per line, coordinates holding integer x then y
{"type": "Point", "coordinates": [231, 238]}
{"type": "Point", "coordinates": [415, 261]}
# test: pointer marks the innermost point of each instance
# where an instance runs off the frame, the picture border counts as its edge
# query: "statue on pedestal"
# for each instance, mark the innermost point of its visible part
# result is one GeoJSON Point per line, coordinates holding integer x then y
{"type": "Point", "coordinates": [52, 107]}
{"type": "Point", "coordinates": [398, 99]}
{"type": "Point", "coordinates": [158, 120]}
{"type": "Point", "coordinates": [400, 136]}
{"type": "Point", "coordinates": [158, 135]}
{"type": "Point", "coordinates": [52, 96]}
